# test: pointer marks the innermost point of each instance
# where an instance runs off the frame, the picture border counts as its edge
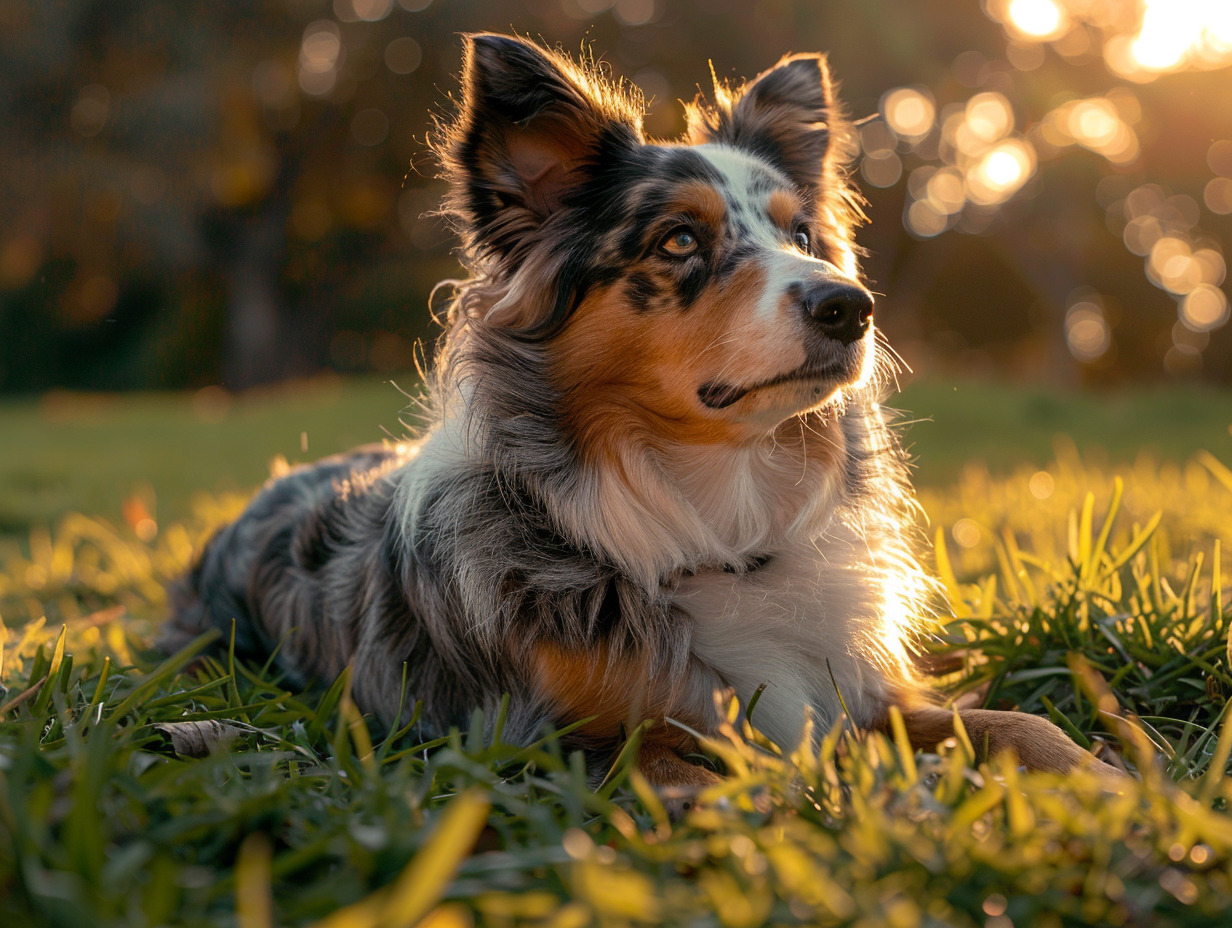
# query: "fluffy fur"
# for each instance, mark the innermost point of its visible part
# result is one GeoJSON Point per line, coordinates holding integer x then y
{"type": "Point", "coordinates": [656, 466]}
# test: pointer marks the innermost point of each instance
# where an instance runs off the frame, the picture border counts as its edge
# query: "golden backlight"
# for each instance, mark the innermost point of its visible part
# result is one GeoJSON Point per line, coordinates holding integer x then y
{"type": "Point", "coordinates": [1037, 19]}
{"type": "Point", "coordinates": [1141, 39]}
{"type": "Point", "coordinates": [966, 159]}
{"type": "Point", "coordinates": [1175, 33]}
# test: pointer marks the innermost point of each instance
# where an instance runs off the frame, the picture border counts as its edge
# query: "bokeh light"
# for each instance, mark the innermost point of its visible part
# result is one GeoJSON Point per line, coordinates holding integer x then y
{"type": "Point", "coordinates": [1219, 157]}
{"type": "Point", "coordinates": [1175, 32]}
{"type": "Point", "coordinates": [1036, 19]}
{"type": "Point", "coordinates": [1217, 196]}
{"type": "Point", "coordinates": [635, 12]}
{"type": "Point", "coordinates": [1000, 172]}
{"type": "Point", "coordinates": [369, 11]}
{"type": "Point", "coordinates": [987, 118]}
{"type": "Point", "coordinates": [1041, 484]}
{"type": "Point", "coordinates": [946, 192]}
{"type": "Point", "coordinates": [1067, 137]}
{"type": "Point", "coordinates": [1183, 361]}
{"type": "Point", "coordinates": [967, 533]}
{"type": "Point", "coordinates": [403, 55]}
{"type": "Point", "coordinates": [1166, 34]}
{"type": "Point", "coordinates": [910, 112]}
{"type": "Point", "coordinates": [1141, 39]}
{"type": "Point", "coordinates": [882, 168]}
{"type": "Point", "coordinates": [984, 162]}
{"type": "Point", "coordinates": [1087, 332]}
{"type": "Point", "coordinates": [1099, 124]}
{"type": "Point", "coordinates": [1180, 257]}
{"type": "Point", "coordinates": [924, 221]}
{"type": "Point", "coordinates": [91, 111]}
{"type": "Point", "coordinates": [1204, 308]}
{"type": "Point", "coordinates": [320, 56]}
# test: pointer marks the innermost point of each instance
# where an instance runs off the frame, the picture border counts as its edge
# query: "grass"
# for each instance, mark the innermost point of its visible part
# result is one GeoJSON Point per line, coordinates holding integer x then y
{"type": "Point", "coordinates": [94, 453]}
{"type": "Point", "coordinates": [1006, 427]}
{"type": "Point", "coordinates": [1071, 598]}
{"type": "Point", "coordinates": [106, 455]}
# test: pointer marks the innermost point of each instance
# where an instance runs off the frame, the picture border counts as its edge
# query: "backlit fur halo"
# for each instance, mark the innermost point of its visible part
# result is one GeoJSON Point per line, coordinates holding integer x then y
{"type": "Point", "coordinates": [533, 140]}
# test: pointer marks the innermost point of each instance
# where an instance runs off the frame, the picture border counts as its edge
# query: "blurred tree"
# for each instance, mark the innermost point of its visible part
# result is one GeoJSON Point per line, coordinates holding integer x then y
{"type": "Point", "coordinates": [208, 192]}
{"type": "Point", "coordinates": [1099, 124]}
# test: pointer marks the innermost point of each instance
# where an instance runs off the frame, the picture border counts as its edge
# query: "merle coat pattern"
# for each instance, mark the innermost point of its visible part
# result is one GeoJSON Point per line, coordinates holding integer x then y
{"type": "Point", "coordinates": [656, 465]}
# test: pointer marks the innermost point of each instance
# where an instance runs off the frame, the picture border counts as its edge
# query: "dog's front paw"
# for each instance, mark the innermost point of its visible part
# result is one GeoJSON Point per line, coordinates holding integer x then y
{"type": "Point", "coordinates": [678, 800]}
{"type": "Point", "coordinates": [677, 780]}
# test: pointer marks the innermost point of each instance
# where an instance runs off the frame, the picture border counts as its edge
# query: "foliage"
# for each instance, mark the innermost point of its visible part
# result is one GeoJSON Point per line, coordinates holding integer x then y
{"type": "Point", "coordinates": [1107, 634]}
{"type": "Point", "coordinates": [237, 192]}
{"type": "Point", "coordinates": [296, 815]}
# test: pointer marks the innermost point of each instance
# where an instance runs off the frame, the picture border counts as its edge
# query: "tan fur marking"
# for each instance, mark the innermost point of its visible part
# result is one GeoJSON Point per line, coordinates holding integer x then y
{"type": "Point", "coordinates": [585, 683]}
{"type": "Point", "coordinates": [783, 208]}
{"type": "Point", "coordinates": [618, 692]}
{"type": "Point", "coordinates": [625, 375]}
{"type": "Point", "coordinates": [702, 200]}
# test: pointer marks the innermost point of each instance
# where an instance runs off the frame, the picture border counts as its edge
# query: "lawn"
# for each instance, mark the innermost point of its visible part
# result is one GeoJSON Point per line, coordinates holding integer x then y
{"type": "Point", "coordinates": [91, 453]}
{"type": "Point", "coordinates": [1086, 580]}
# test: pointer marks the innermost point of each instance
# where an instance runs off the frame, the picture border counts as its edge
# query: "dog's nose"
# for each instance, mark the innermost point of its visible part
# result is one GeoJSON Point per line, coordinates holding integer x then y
{"type": "Point", "coordinates": [839, 308]}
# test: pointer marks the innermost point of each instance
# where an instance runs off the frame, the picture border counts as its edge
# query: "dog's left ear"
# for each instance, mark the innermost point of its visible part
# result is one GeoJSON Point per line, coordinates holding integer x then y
{"type": "Point", "coordinates": [785, 115]}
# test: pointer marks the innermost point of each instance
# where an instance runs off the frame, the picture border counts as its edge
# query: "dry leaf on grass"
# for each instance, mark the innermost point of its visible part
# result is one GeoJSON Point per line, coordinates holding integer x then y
{"type": "Point", "coordinates": [197, 739]}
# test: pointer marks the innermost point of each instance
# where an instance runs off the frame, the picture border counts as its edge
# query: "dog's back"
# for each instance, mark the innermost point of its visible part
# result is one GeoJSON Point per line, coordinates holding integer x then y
{"type": "Point", "coordinates": [435, 578]}
{"type": "Point", "coordinates": [288, 573]}
{"type": "Point", "coordinates": [313, 572]}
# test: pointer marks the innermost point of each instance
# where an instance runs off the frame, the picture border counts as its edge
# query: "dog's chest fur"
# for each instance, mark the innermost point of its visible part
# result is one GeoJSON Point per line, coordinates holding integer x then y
{"type": "Point", "coordinates": [808, 624]}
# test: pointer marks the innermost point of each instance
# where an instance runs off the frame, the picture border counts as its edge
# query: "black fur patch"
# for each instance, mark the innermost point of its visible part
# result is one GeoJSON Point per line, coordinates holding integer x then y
{"type": "Point", "coordinates": [641, 291]}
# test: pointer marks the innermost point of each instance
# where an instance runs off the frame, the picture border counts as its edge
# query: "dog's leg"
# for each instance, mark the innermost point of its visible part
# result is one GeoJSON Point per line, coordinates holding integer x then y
{"type": "Point", "coordinates": [662, 762]}
{"type": "Point", "coordinates": [617, 692]}
{"type": "Point", "coordinates": [663, 766]}
{"type": "Point", "coordinates": [1038, 744]}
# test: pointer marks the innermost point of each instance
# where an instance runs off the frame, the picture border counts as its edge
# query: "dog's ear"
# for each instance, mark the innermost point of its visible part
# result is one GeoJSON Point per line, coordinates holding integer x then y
{"type": "Point", "coordinates": [531, 124]}
{"type": "Point", "coordinates": [785, 115]}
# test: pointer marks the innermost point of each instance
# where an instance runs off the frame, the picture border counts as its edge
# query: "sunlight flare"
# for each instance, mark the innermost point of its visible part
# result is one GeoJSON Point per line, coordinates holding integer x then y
{"type": "Point", "coordinates": [1001, 172]}
{"type": "Point", "coordinates": [1176, 31]}
{"type": "Point", "coordinates": [1037, 19]}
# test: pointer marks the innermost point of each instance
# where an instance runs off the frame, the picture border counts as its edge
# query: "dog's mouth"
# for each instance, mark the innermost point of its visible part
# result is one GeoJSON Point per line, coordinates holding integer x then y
{"type": "Point", "coordinates": [719, 395]}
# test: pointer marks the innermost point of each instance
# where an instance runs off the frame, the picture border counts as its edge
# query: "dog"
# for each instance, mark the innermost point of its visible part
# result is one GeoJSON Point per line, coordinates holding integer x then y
{"type": "Point", "coordinates": [655, 467]}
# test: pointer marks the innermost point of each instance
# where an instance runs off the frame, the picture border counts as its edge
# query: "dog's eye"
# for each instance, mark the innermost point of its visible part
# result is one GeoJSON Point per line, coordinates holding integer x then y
{"type": "Point", "coordinates": [801, 239]}
{"type": "Point", "coordinates": [679, 243]}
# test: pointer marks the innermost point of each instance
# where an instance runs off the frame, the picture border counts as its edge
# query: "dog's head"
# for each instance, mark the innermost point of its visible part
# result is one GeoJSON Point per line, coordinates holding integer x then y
{"type": "Point", "coordinates": [701, 290]}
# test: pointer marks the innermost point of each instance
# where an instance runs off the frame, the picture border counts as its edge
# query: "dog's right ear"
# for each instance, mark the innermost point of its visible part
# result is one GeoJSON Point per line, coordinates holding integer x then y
{"type": "Point", "coordinates": [531, 124]}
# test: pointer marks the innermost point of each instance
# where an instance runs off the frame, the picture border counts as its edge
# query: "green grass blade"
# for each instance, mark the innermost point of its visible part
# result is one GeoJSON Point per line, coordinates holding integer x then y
{"type": "Point", "coordinates": [1101, 543]}
{"type": "Point", "coordinates": [328, 703]}
{"type": "Point", "coordinates": [164, 672]}
{"type": "Point", "coordinates": [948, 580]}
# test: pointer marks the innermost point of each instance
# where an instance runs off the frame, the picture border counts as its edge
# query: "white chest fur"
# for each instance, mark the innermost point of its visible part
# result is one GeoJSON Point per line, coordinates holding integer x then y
{"type": "Point", "coordinates": [813, 622]}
